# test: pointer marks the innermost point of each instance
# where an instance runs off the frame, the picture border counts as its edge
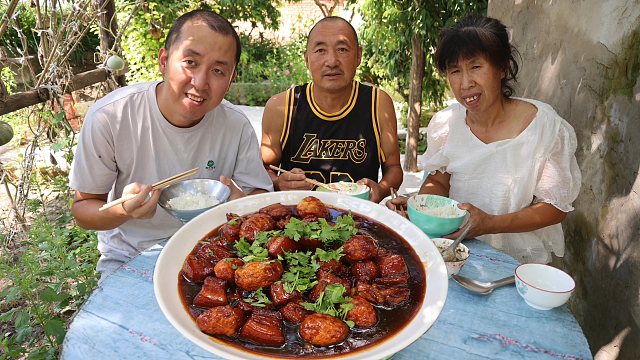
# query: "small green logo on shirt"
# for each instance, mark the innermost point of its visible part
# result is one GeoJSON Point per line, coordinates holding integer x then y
{"type": "Point", "coordinates": [211, 165]}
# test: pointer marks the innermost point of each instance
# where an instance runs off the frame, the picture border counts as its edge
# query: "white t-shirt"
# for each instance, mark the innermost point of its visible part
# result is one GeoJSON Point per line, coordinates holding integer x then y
{"type": "Point", "coordinates": [506, 176]}
{"type": "Point", "coordinates": [126, 139]}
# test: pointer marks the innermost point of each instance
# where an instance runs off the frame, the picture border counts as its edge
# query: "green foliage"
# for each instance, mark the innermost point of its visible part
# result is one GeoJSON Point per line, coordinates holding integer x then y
{"type": "Point", "coordinates": [150, 25]}
{"type": "Point", "coordinates": [51, 274]}
{"type": "Point", "coordinates": [386, 33]}
{"type": "Point", "coordinates": [340, 232]}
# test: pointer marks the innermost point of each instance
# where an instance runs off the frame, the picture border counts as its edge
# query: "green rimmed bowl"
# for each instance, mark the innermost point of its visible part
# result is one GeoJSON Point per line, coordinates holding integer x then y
{"type": "Point", "coordinates": [348, 188]}
{"type": "Point", "coordinates": [435, 215]}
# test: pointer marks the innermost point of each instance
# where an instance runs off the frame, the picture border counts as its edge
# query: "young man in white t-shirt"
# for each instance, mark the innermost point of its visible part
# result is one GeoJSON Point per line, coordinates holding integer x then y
{"type": "Point", "coordinates": [143, 133]}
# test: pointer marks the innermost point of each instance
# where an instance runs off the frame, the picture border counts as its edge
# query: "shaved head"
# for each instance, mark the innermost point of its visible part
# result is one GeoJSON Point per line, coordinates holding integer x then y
{"type": "Point", "coordinates": [333, 19]}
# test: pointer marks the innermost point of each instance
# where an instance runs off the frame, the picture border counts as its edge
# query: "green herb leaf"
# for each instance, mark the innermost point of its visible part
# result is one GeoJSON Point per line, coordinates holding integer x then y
{"type": "Point", "coordinates": [326, 304]}
{"type": "Point", "coordinates": [258, 298]}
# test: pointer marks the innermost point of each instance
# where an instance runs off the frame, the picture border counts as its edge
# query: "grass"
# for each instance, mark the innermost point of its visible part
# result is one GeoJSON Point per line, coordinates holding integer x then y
{"type": "Point", "coordinates": [46, 276]}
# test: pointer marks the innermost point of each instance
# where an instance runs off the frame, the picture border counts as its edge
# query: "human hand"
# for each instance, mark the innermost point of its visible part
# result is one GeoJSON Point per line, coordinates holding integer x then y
{"type": "Point", "coordinates": [142, 201]}
{"type": "Point", "coordinates": [294, 180]}
{"type": "Point", "coordinates": [236, 193]}
{"type": "Point", "coordinates": [399, 205]}
{"type": "Point", "coordinates": [375, 193]}
{"type": "Point", "coordinates": [480, 223]}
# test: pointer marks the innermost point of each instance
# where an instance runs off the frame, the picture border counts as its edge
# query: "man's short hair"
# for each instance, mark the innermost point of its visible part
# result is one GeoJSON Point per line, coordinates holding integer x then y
{"type": "Point", "coordinates": [334, 18]}
{"type": "Point", "coordinates": [213, 20]}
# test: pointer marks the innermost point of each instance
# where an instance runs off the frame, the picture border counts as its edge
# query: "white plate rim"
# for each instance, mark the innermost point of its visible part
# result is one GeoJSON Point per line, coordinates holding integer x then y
{"type": "Point", "coordinates": [170, 261]}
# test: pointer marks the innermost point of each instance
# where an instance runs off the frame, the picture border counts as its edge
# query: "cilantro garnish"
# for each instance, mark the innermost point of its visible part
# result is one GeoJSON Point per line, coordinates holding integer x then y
{"type": "Point", "coordinates": [258, 298]}
{"type": "Point", "coordinates": [256, 250]}
{"type": "Point", "coordinates": [301, 271]}
{"type": "Point", "coordinates": [342, 231]}
{"type": "Point", "coordinates": [332, 295]}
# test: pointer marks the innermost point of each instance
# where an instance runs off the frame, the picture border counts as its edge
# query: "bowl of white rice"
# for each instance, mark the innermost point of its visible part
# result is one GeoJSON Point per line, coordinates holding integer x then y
{"type": "Point", "coordinates": [435, 215]}
{"type": "Point", "coordinates": [189, 198]}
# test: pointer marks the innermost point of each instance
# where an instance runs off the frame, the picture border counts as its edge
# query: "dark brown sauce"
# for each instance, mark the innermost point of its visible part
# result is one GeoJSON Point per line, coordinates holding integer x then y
{"type": "Point", "coordinates": [390, 321]}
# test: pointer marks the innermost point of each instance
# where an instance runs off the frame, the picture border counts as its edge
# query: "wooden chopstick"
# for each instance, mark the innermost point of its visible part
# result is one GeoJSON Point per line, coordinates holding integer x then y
{"type": "Point", "coordinates": [394, 194]}
{"type": "Point", "coordinates": [157, 186]}
{"type": "Point", "coordinates": [310, 181]}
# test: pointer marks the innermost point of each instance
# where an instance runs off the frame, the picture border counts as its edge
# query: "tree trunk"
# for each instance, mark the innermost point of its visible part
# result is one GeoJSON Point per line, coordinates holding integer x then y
{"type": "Point", "coordinates": [108, 31]}
{"type": "Point", "coordinates": [415, 104]}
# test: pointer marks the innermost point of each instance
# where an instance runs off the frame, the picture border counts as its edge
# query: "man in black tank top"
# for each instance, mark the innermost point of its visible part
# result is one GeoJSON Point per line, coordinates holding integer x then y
{"type": "Point", "coordinates": [334, 128]}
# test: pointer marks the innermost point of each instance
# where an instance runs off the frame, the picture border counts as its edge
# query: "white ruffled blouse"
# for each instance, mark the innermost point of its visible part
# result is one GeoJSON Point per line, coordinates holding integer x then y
{"type": "Point", "coordinates": [505, 176]}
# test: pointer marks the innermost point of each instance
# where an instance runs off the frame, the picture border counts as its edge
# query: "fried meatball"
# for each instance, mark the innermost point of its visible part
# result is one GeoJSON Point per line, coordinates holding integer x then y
{"type": "Point", "coordinates": [254, 224]}
{"type": "Point", "coordinates": [226, 268]}
{"type": "Point", "coordinates": [257, 274]}
{"type": "Point", "coordinates": [221, 320]}
{"type": "Point", "coordinates": [323, 330]}
{"type": "Point", "coordinates": [312, 206]}
{"type": "Point", "coordinates": [363, 314]}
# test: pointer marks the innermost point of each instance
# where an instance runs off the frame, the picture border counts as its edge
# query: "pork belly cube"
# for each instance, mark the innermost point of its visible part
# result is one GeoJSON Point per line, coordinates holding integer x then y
{"type": "Point", "coordinates": [277, 211]}
{"type": "Point", "coordinates": [325, 278]}
{"type": "Point", "coordinates": [310, 244]}
{"type": "Point", "coordinates": [254, 224]}
{"type": "Point", "coordinates": [293, 312]}
{"type": "Point", "coordinates": [365, 271]}
{"type": "Point", "coordinates": [196, 269]}
{"type": "Point", "coordinates": [279, 296]}
{"type": "Point", "coordinates": [230, 231]}
{"type": "Point", "coordinates": [393, 270]}
{"type": "Point", "coordinates": [335, 267]}
{"type": "Point", "coordinates": [254, 275]}
{"type": "Point", "coordinates": [323, 330]}
{"type": "Point", "coordinates": [214, 252]}
{"type": "Point", "coordinates": [221, 320]}
{"type": "Point", "coordinates": [382, 295]}
{"type": "Point", "coordinates": [235, 298]}
{"type": "Point", "coordinates": [264, 327]}
{"type": "Point", "coordinates": [359, 248]}
{"type": "Point", "coordinates": [363, 314]}
{"type": "Point", "coordinates": [213, 293]}
{"type": "Point", "coordinates": [279, 244]}
{"type": "Point", "coordinates": [226, 268]}
{"type": "Point", "coordinates": [312, 206]}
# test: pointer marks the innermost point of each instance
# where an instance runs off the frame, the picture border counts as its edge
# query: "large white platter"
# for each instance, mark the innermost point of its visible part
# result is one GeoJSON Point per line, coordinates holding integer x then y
{"type": "Point", "coordinates": [165, 277]}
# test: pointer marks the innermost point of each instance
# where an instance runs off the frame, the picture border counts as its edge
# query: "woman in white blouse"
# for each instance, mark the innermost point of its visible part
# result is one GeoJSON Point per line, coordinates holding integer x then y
{"type": "Point", "coordinates": [509, 161]}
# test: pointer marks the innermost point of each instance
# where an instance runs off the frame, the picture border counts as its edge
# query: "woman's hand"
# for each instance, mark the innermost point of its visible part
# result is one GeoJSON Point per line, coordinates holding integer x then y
{"type": "Point", "coordinates": [142, 203]}
{"type": "Point", "coordinates": [294, 180]}
{"type": "Point", "coordinates": [480, 223]}
{"type": "Point", "coordinates": [398, 203]}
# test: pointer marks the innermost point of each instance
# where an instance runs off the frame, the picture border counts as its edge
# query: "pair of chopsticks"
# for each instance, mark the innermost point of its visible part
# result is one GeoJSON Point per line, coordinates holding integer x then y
{"type": "Point", "coordinates": [310, 181]}
{"type": "Point", "coordinates": [157, 186]}
{"type": "Point", "coordinates": [394, 194]}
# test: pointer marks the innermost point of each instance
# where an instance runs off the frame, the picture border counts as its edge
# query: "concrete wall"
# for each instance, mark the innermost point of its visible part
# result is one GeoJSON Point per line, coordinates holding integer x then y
{"type": "Point", "coordinates": [583, 58]}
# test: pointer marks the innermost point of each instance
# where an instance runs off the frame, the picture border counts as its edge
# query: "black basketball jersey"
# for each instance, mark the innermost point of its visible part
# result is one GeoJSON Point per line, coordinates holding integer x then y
{"type": "Point", "coordinates": [343, 146]}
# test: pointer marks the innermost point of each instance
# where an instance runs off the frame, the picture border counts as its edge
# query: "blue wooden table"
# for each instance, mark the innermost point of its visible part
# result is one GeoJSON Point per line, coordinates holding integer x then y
{"type": "Point", "coordinates": [122, 320]}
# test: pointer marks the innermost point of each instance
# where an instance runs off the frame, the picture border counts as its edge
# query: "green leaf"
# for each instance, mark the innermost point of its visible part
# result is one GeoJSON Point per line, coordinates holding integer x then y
{"type": "Point", "coordinates": [50, 295]}
{"type": "Point", "coordinates": [55, 328]}
{"type": "Point", "coordinates": [8, 315]}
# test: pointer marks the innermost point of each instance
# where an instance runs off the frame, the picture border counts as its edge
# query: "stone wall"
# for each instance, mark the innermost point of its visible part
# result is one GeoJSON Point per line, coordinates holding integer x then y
{"type": "Point", "coordinates": [583, 58]}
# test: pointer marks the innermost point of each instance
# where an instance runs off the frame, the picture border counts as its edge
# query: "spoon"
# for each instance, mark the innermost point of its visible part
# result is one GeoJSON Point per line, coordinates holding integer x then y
{"type": "Point", "coordinates": [450, 254]}
{"type": "Point", "coordinates": [482, 288]}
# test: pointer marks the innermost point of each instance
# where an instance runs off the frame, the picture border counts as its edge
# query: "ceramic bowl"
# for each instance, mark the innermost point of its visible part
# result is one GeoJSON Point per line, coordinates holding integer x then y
{"type": "Point", "coordinates": [462, 255]}
{"type": "Point", "coordinates": [543, 287]}
{"type": "Point", "coordinates": [197, 188]}
{"type": "Point", "coordinates": [348, 188]}
{"type": "Point", "coordinates": [169, 265]}
{"type": "Point", "coordinates": [435, 215]}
